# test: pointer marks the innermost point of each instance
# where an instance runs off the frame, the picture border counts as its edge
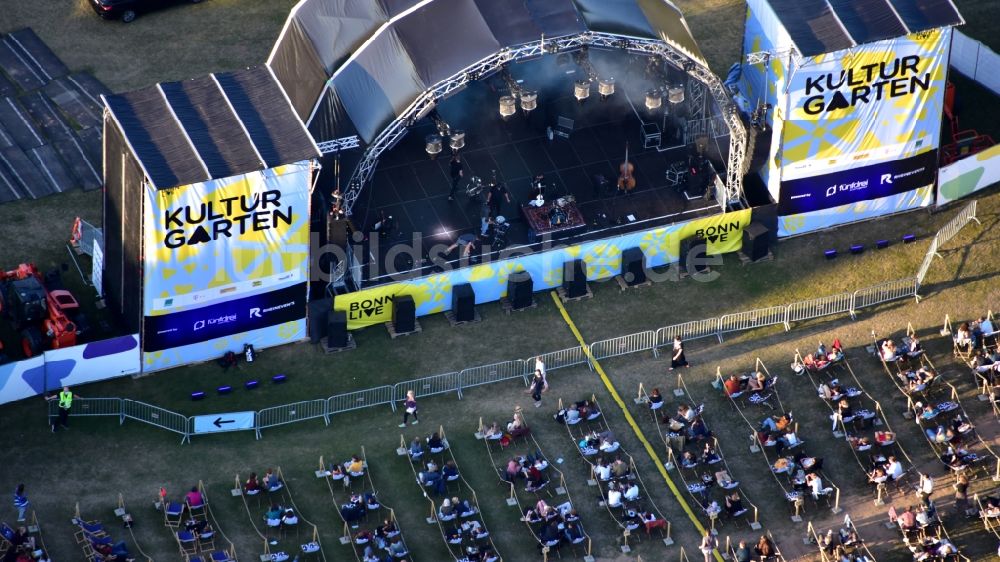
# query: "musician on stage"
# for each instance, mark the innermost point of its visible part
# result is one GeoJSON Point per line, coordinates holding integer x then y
{"type": "Point", "coordinates": [337, 205]}
{"type": "Point", "coordinates": [456, 174]}
{"type": "Point", "coordinates": [497, 191]}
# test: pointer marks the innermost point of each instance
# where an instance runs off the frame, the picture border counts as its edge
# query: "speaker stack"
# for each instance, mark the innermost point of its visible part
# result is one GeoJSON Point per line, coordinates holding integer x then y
{"type": "Point", "coordinates": [319, 312]}
{"type": "Point", "coordinates": [755, 241]}
{"type": "Point", "coordinates": [463, 304]}
{"type": "Point", "coordinates": [519, 290]}
{"type": "Point", "coordinates": [404, 315]}
{"type": "Point", "coordinates": [693, 253]}
{"type": "Point", "coordinates": [574, 283]}
{"type": "Point", "coordinates": [336, 330]}
{"type": "Point", "coordinates": [633, 271]}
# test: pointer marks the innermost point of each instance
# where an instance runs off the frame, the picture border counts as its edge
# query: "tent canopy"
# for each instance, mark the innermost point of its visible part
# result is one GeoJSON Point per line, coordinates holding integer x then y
{"type": "Point", "coordinates": [824, 26]}
{"type": "Point", "coordinates": [360, 63]}
{"type": "Point", "coordinates": [211, 127]}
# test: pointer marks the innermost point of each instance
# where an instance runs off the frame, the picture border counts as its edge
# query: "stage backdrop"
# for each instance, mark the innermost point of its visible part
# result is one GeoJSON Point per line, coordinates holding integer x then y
{"type": "Point", "coordinates": [860, 131]}
{"type": "Point", "coordinates": [432, 294]}
{"type": "Point", "coordinates": [226, 263]}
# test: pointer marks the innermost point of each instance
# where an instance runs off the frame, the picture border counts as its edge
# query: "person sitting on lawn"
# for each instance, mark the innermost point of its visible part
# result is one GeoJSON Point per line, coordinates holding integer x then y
{"type": "Point", "coordinates": [631, 492]}
{"type": "Point", "coordinates": [602, 470]}
{"type": "Point", "coordinates": [708, 454]}
{"type": "Point", "coordinates": [355, 467]}
{"type": "Point", "coordinates": [463, 507]}
{"type": "Point", "coordinates": [608, 443]}
{"type": "Point", "coordinates": [446, 512]}
{"type": "Point", "coordinates": [193, 498]}
{"type": "Point", "coordinates": [689, 460]}
{"type": "Point", "coordinates": [757, 382]}
{"type": "Point", "coordinates": [620, 469]}
{"type": "Point", "coordinates": [434, 443]}
{"type": "Point", "coordinates": [685, 414]}
{"type": "Point", "coordinates": [734, 504]}
{"type": "Point", "coordinates": [732, 386]}
{"type": "Point", "coordinates": [536, 479]}
{"type": "Point", "coordinates": [273, 515]}
{"type": "Point", "coordinates": [614, 495]}
{"type": "Point", "coordinates": [450, 470]}
{"type": "Point", "coordinates": [252, 487]}
{"type": "Point", "coordinates": [724, 480]}
{"type": "Point", "coordinates": [493, 432]}
{"type": "Point", "coordinates": [432, 478]}
{"type": "Point", "coordinates": [337, 471]}
{"type": "Point", "coordinates": [513, 470]}
{"type": "Point", "coordinates": [655, 399]}
{"type": "Point", "coordinates": [416, 450]}
{"type": "Point", "coordinates": [698, 430]}
{"type": "Point", "coordinates": [271, 481]}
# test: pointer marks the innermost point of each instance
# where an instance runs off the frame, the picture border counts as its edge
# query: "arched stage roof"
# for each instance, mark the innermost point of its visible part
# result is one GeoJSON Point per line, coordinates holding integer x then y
{"type": "Point", "coordinates": [352, 67]}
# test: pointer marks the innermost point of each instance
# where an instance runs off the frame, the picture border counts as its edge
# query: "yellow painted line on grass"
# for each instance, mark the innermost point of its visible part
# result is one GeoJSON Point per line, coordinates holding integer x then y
{"type": "Point", "coordinates": [631, 421]}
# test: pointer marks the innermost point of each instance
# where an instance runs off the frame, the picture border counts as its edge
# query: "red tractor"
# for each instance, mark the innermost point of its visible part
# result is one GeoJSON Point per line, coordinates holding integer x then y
{"type": "Point", "coordinates": [46, 315]}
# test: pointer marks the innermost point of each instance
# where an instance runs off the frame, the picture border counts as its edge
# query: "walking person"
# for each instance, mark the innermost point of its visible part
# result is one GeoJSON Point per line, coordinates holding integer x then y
{"type": "Point", "coordinates": [678, 359]}
{"type": "Point", "coordinates": [21, 502]}
{"type": "Point", "coordinates": [456, 175]}
{"type": "Point", "coordinates": [708, 544]}
{"type": "Point", "coordinates": [540, 367]}
{"type": "Point", "coordinates": [410, 409]}
{"type": "Point", "coordinates": [537, 386]}
{"type": "Point", "coordinates": [65, 398]}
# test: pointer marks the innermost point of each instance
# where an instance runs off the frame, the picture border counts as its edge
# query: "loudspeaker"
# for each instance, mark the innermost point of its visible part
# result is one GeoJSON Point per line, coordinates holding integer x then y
{"type": "Point", "coordinates": [693, 252]}
{"type": "Point", "coordinates": [633, 266]}
{"type": "Point", "coordinates": [319, 310]}
{"type": "Point", "coordinates": [519, 290]}
{"type": "Point", "coordinates": [404, 314]}
{"type": "Point", "coordinates": [338, 231]}
{"type": "Point", "coordinates": [463, 303]}
{"type": "Point", "coordinates": [574, 279]}
{"type": "Point", "coordinates": [755, 241]}
{"type": "Point", "coordinates": [336, 329]}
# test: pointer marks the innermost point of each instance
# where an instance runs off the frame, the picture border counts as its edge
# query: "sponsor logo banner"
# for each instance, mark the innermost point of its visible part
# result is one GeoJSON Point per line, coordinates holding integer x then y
{"type": "Point", "coordinates": [224, 319]}
{"type": "Point", "coordinates": [859, 184]}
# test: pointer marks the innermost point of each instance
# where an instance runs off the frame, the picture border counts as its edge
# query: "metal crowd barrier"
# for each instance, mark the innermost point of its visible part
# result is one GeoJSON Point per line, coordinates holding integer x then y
{"type": "Point", "coordinates": [361, 399]}
{"type": "Point", "coordinates": [925, 266]}
{"type": "Point", "coordinates": [496, 372]}
{"type": "Point", "coordinates": [753, 319]}
{"type": "Point", "coordinates": [157, 416]}
{"type": "Point", "coordinates": [569, 357]}
{"type": "Point", "coordinates": [624, 345]}
{"type": "Point", "coordinates": [885, 292]}
{"type": "Point", "coordinates": [86, 407]}
{"type": "Point", "coordinates": [429, 386]}
{"type": "Point", "coordinates": [823, 306]}
{"type": "Point", "coordinates": [952, 227]}
{"type": "Point", "coordinates": [291, 413]}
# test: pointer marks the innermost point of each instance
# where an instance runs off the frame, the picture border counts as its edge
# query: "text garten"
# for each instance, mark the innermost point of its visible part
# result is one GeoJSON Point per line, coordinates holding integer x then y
{"type": "Point", "coordinates": [225, 217]}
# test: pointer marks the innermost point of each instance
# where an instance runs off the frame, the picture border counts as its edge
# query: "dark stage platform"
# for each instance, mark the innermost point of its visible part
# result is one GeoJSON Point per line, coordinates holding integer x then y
{"type": "Point", "coordinates": [413, 188]}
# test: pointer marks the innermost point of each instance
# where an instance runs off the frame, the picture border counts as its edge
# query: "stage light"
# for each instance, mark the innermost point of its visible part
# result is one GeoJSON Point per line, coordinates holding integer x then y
{"type": "Point", "coordinates": [457, 140]}
{"type": "Point", "coordinates": [507, 106]}
{"type": "Point", "coordinates": [606, 87]}
{"type": "Point", "coordinates": [676, 95]}
{"type": "Point", "coordinates": [433, 145]}
{"type": "Point", "coordinates": [581, 90]}
{"type": "Point", "coordinates": [653, 100]}
{"type": "Point", "coordinates": [529, 100]}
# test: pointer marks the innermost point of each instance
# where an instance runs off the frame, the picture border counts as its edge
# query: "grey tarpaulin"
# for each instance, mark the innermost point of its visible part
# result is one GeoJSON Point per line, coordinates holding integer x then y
{"type": "Point", "coordinates": [351, 67]}
{"type": "Point", "coordinates": [825, 26]}
{"type": "Point", "coordinates": [211, 127]}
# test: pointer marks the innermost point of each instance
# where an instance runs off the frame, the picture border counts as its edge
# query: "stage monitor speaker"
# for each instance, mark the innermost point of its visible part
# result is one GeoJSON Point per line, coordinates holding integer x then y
{"type": "Point", "coordinates": [463, 303]}
{"type": "Point", "coordinates": [519, 290]}
{"type": "Point", "coordinates": [574, 279]}
{"type": "Point", "coordinates": [755, 241]}
{"type": "Point", "coordinates": [633, 266]}
{"type": "Point", "coordinates": [404, 314]}
{"type": "Point", "coordinates": [338, 231]}
{"type": "Point", "coordinates": [693, 252]}
{"type": "Point", "coordinates": [336, 330]}
{"type": "Point", "coordinates": [319, 311]}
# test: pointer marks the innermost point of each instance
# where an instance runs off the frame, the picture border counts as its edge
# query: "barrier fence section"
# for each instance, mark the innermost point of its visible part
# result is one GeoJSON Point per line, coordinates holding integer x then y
{"type": "Point", "coordinates": [649, 340]}
{"type": "Point", "coordinates": [975, 60]}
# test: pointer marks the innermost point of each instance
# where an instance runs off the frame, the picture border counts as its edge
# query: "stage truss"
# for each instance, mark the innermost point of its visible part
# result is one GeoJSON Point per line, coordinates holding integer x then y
{"type": "Point", "coordinates": [731, 194]}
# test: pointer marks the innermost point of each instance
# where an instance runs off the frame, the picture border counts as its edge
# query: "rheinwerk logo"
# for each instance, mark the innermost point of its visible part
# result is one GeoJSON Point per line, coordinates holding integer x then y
{"type": "Point", "coordinates": [868, 83]}
{"type": "Point", "coordinates": [718, 233]}
{"type": "Point", "coordinates": [224, 218]}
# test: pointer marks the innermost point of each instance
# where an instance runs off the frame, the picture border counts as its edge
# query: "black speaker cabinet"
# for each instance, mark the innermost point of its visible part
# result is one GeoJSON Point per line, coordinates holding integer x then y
{"type": "Point", "coordinates": [633, 266]}
{"type": "Point", "coordinates": [755, 241]}
{"type": "Point", "coordinates": [319, 311]}
{"type": "Point", "coordinates": [336, 329]}
{"type": "Point", "coordinates": [693, 253]}
{"type": "Point", "coordinates": [338, 231]}
{"type": "Point", "coordinates": [463, 303]}
{"type": "Point", "coordinates": [574, 279]}
{"type": "Point", "coordinates": [404, 314]}
{"type": "Point", "coordinates": [519, 290]}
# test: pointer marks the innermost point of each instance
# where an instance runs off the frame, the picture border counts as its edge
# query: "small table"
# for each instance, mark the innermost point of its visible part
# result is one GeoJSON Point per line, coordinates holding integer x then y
{"type": "Point", "coordinates": [540, 224]}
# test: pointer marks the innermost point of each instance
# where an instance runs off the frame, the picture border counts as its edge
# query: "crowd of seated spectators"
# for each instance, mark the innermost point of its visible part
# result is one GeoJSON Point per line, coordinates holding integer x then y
{"type": "Point", "coordinates": [778, 432]}
{"type": "Point", "coordinates": [598, 442]}
{"type": "Point", "coordinates": [21, 546]}
{"type": "Point", "coordinates": [554, 525]}
{"type": "Point", "coordinates": [531, 468]}
{"type": "Point", "coordinates": [436, 477]}
{"type": "Point", "coordinates": [686, 426]}
{"type": "Point", "coordinates": [822, 359]}
{"type": "Point", "coordinates": [383, 545]}
{"type": "Point", "coordinates": [843, 546]}
{"type": "Point", "coordinates": [470, 535]}
{"type": "Point", "coordinates": [98, 545]}
{"type": "Point", "coordinates": [584, 410]}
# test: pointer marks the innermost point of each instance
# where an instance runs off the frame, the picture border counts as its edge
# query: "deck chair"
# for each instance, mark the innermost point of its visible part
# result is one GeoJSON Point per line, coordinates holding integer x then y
{"type": "Point", "coordinates": [223, 556]}
{"type": "Point", "coordinates": [187, 542]}
{"type": "Point", "coordinates": [172, 513]}
{"type": "Point", "coordinates": [206, 540]}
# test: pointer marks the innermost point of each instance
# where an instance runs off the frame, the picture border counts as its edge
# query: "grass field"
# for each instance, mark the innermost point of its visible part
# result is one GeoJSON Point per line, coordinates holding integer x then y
{"type": "Point", "coordinates": [96, 460]}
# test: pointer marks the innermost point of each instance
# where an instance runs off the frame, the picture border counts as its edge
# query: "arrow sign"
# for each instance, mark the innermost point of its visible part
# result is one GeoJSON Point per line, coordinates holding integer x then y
{"type": "Point", "coordinates": [229, 421]}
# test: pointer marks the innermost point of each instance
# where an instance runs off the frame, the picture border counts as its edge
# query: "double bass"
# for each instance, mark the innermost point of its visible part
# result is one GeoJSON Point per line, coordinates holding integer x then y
{"type": "Point", "coordinates": [626, 179]}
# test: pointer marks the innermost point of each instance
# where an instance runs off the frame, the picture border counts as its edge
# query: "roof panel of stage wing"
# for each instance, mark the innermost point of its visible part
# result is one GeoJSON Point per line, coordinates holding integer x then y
{"type": "Point", "coordinates": [212, 127]}
{"type": "Point", "coordinates": [515, 23]}
{"type": "Point", "coordinates": [261, 105]}
{"type": "Point", "coordinates": [812, 25]}
{"type": "Point", "coordinates": [338, 27]}
{"type": "Point", "coordinates": [869, 22]}
{"type": "Point", "coordinates": [298, 68]}
{"type": "Point", "coordinates": [921, 15]}
{"type": "Point", "coordinates": [444, 37]}
{"type": "Point", "coordinates": [156, 138]}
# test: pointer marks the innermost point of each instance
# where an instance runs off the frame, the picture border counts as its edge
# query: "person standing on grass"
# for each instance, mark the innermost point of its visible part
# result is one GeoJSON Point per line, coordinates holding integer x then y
{"type": "Point", "coordinates": [21, 502]}
{"type": "Point", "coordinates": [410, 408]}
{"type": "Point", "coordinates": [708, 544]}
{"type": "Point", "coordinates": [65, 398]}
{"type": "Point", "coordinates": [678, 359]}
{"type": "Point", "coordinates": [537, 386]}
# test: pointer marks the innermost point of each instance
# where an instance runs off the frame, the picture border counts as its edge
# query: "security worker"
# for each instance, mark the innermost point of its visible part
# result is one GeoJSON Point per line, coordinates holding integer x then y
{"type": "Point", "coordinates": [65, 398]}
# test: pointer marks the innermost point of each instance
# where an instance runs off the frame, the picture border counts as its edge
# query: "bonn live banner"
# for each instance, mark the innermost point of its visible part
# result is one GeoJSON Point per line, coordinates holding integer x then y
{"type": "Point", "coordinates": [863, 124]}
{"type": "Point", "coordinates": [226, 263]}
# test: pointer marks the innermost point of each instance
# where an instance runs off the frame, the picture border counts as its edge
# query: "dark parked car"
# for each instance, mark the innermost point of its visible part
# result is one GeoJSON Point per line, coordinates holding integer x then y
{"type": "Point", "coordinates": [127, 10]}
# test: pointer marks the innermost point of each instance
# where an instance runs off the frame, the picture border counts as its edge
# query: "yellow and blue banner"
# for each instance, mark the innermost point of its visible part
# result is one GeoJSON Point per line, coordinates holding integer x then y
{"type": "Point", "coordinates": [226, 262]}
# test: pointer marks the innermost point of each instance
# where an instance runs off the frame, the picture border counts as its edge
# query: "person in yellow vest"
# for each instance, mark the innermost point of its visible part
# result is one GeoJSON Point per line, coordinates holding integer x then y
{"type": "Point", "coordinates": [65, 398]}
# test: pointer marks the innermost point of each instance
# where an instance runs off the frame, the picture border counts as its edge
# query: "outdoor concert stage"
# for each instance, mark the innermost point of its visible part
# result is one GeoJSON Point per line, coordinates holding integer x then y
{"type": "Point", "coordinates": [413, 188]}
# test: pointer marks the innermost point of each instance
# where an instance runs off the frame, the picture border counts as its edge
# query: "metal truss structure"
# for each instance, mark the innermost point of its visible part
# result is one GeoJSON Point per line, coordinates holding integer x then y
{"type": "Point", "coordinates": [730, 196]}
{"type": "Point", "coordinates": [336, 145]}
